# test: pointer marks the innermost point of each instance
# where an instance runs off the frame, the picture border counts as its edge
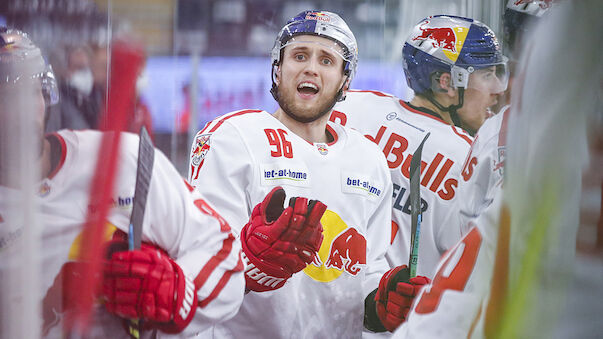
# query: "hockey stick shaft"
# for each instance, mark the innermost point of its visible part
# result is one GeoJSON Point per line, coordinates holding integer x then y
{"type": "Point", "coordinates": [415, 207]}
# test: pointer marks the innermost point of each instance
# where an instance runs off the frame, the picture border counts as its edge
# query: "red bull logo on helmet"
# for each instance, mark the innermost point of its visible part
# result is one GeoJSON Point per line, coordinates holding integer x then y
{"type": "Point", "coordinates": [318, 16]}
{"type": "Point", "coordinates": [343, 250]}
{"type": "Point", "coordinates": [440, 37]}
{"type": "Point", "coordinates": [434, 34]}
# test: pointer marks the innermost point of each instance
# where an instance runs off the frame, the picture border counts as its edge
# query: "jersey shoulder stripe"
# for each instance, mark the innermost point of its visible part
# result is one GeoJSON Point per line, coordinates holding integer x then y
{"type": "Point", "coordinates": [377, 93]}
{"type": "Point", "coordinates": [216, 123]}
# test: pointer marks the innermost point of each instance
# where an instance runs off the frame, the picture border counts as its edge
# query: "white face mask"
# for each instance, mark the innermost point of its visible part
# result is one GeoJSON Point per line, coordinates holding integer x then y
{"type": "Point", "coordinates": [82, 81]}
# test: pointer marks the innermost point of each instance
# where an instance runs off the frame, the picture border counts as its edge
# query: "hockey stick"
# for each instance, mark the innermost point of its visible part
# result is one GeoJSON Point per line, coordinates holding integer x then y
{"type": "Point", "coordinates": [144, 171]}
{"type": "Point", "coordinates": [415, 207]}
{"type": "Point", "coordinates": [126, 59]}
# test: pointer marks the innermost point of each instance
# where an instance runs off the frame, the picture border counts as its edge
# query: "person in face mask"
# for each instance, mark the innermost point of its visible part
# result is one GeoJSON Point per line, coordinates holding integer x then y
{"type": "Point", "coordinates": [79, 107]}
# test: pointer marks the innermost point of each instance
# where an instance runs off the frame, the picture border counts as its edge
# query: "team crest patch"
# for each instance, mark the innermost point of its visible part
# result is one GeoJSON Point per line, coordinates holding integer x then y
{"type": "Point", "coordinates": [322, 148]}
{"type": "Point", "coordinates": [44, 189]}
{"type": "Point", "coordinates": [202, 146]}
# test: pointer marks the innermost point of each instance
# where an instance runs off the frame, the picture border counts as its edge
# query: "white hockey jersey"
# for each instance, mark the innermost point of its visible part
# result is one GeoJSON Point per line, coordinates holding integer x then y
{"type": "Point", "coordinates": [238, 158]}
{"type": "Point", "coordinates": [398, 129]}
{"type": "Point", "coordinates": [483, 168]}
{"type": "Point", "coordinates": [176, 219]}
{"type": "Point", "coordinates": [457, 303]}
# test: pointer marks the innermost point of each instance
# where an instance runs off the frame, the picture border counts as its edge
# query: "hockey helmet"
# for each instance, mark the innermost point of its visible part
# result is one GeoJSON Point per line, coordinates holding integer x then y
{"type": "Point", "coordinates": [323, 24]}
{"type": "Point", "coordinates": [21, 60]}
{"type": "Point", "coordinates": [453, 44]}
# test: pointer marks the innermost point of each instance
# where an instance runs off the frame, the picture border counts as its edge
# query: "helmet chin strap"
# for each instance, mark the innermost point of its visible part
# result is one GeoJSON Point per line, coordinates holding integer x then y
{"type": "Point", "coordinates": [452, 109]}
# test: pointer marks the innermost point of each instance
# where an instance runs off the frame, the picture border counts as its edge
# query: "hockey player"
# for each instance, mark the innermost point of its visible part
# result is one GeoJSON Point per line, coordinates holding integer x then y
{"type": "Point", "coordinates": [239, 157]}
{"type": "Point", "coordinates": [189, 269]}
{"type": "Point", "coordinates": [507, 276]}
{"type": "Point", "coordinates": [451, 63]}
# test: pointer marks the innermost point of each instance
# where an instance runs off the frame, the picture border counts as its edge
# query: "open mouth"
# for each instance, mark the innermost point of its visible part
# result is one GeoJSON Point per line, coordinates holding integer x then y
{"type": "Point", "coordinates": [307, 89]}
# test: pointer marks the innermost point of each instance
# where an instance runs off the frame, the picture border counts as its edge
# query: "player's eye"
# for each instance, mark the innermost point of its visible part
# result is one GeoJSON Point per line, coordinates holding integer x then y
{"type": "Point", "coordinates": [326, 61]}
{"type": "Point", "coordinates": [299, 57]}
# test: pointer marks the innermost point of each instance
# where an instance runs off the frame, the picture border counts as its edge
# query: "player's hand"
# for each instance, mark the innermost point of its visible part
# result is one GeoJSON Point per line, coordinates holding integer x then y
{"type": "Point", "coordinates": [147, 284]}
{"type": "Point", "coordinates": [278, 242]}
{"type": "Point", "coordinates": [392, 299]}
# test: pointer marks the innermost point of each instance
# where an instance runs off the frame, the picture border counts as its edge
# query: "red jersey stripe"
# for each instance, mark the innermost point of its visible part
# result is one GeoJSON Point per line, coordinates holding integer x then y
{"type": "Point", "coordinates": [63, 154]}
{"type": "Point", "coordinates": [212, 263]}
{"type": "Point", "coordinates": [466, 138]}
{"type": "Point", "coordinates": [219, 123]}
{"type": "Point", "coordinates": [220, 285]}
{"type": "Point", "coordinates": [381, 94]}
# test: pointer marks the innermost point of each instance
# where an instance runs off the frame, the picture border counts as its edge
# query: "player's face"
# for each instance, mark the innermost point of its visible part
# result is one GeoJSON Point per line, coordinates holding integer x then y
{"type": "Point", "coordinates": [310, 75]}
{"type": "Point", "coordinates": [481, 93]}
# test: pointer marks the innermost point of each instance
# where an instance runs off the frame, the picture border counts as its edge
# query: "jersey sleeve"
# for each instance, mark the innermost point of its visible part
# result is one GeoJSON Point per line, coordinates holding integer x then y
{"type": "Point", "coordinates": [379, 234]}
{"type": "Point", "coordinates": [480, 174]}
{"type": "Point", "coordinates": [455, 303]}
{"type": "Point", "coordinates": [223, 154]}
{"type": "Point", "coordinates": [179, 221]}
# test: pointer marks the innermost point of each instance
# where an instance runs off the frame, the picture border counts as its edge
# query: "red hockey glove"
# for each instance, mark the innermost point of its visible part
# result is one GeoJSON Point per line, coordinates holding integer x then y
{"type": "Point", "coordinates": [146, 284]}
{"type": "Point", "coordinates": [278, 242]}
{"type": "Point", "coordinates": [392, 299]}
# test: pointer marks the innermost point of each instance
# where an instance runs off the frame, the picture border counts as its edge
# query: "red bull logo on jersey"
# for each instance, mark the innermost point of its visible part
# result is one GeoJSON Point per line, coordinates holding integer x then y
{"type": "Point", "coordinates": [322, 149]}
{"type": "Point", "coordinates": [201, 148]}
{"type": "Point", "coordinates": [343, 250]}
{"type": "Point", "coordinates": [318, 16]}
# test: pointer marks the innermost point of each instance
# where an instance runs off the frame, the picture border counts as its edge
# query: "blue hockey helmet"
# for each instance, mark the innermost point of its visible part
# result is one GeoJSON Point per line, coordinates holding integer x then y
{"type": "Point", "coordinates": [453, 44]}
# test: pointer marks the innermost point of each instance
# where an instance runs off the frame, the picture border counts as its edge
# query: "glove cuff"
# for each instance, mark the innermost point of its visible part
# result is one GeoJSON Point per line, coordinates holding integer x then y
{"type": "Point", "coordinates": [371, 318]}
{"type": "Point", "coordinates": [260, 276]}
{"type": "Point", "coordinates": [185, 302]}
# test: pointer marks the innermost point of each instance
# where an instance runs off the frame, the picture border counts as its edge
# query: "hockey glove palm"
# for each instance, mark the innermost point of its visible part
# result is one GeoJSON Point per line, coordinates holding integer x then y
{"type": "Point", "coordinates": [278, 242]}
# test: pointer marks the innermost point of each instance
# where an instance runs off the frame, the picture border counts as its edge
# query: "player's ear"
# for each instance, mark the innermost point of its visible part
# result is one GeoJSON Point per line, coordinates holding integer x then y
{"type": "Point", "coordinates": [277, 74]}
{"type": "Point", "coordinates": [444, 84]}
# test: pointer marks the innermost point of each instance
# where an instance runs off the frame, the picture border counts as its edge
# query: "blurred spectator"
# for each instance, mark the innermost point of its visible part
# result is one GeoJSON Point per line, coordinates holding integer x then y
{"type": "Point", "coordinates": [79, 106]}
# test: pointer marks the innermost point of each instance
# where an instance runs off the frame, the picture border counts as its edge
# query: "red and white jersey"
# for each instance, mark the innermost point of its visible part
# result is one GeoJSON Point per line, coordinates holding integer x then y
{"type": "Point", "coordinates": [398, 128]}
{"type": "Point", "coordinates": [176, 219]}
{"type": "Point", "coordinates": [458, 302]}
{"type": "Point", "coordinates": [238, 158]}
{"type": "Point", "coordinates": [483, 168]}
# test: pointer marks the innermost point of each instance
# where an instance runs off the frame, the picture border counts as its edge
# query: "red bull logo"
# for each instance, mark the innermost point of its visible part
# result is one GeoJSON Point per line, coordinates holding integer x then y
{"type": "Point", "coordinates": [442, 37]}
{"type": "Point", "coordinates": [318, 16]}
{"type": "Point", "coordinates": [201, 149]}
{"type": "Point", "coordinates": [343, 250]}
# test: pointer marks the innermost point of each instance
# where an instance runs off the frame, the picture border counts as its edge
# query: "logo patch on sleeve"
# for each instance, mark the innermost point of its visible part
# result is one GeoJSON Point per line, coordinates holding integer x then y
{"type": "Point", "coordinates": [293, 174]}
{"type": "Point", "coordinates": [356, 183]}
{"type": "Point", "coordinates": [202, 146]}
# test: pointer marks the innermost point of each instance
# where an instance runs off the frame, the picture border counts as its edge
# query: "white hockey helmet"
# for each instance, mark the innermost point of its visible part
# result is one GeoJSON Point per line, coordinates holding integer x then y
{"type": "Point", "coordinates": [21, 60]}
